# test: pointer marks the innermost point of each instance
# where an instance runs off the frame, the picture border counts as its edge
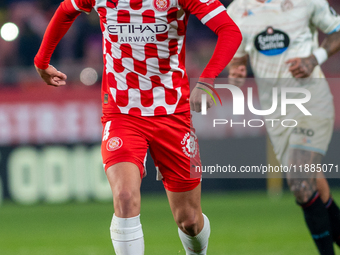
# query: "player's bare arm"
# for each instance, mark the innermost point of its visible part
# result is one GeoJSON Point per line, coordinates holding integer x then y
{"type": "Point", "coordinates": [238, 71]}
{"type": "Point", "coordinates": [52, 76]}
{"type": "Point", "coordinates": [303, 67]}
{"type": "Point", "coordinates": [332, 44]}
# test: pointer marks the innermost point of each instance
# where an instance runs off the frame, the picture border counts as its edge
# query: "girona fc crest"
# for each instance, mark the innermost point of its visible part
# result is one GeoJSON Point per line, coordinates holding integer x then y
{"type": "Point", "coordinates": [161, 5]}
{"type": "Point", "coordinates": [114, 144]}
{"type": "Point", "coordinates": [190, 145]}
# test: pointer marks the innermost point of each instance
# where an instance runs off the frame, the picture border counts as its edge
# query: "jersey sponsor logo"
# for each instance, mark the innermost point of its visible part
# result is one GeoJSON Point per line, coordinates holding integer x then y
{"type": "Point", "coordinates": [161, 5]}
{"type": "Point", "coordinates": [189, 144]}
{"type": "Point", "coordinates": [137, 33]}
{"type": "Point", "coordinates": [114, 144]}
{"type": "Point", "coordinates": [272, 42]}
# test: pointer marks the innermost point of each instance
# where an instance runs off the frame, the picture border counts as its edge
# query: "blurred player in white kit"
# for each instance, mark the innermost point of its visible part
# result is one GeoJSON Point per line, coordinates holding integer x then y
{"type": "Point", "coordinates": [280, 38]}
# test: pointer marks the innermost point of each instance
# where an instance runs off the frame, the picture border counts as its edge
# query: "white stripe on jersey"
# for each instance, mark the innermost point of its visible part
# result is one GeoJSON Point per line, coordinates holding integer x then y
{"type": "Point", "coordinates": [212, 14]}
{"type": "Point", "coordinates": [75, 5]}
{"type": "Point", "coordinates": [77, 8]}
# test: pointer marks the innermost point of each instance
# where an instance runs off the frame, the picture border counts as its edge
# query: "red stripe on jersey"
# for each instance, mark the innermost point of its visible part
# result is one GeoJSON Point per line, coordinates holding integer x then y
{"type": "Point", "coordinates": [162, 37]}
{"type": "Point", "coordinates": [112, 80]}
{"type": "Point", "coordinates": [182, 27]}
{"type": "Point", "coordinates": [172, 14]}
{"type": "Point", "coordinates": [117, 65]}
{"type": "Point", "coordinates": [132, 81]}
{"type": "Point", "coordinates": [135, 111]}
{"type": "Point", "coordinates": [150, 50]}
{"type": "Point", "coordinates": [102, 14]}
{"type": "Point", "coordinates": [112, 3]}
{"type": "Point", "coordinates": [173, 47]}
{"type": "Point", "coordinates": [126, 50]}
{"type": "Point", "coordinates": [149, 16]}
{"type": "Point", "coordinates": [146, 98]}
{"type": "Point", "coordinates": [136, 4]}
{"type": "Point", "coordinates": [140, 66]}
{"type": "Point", "coordinates": [160, 110]}
{"type": "Point", "coordinates": [170, 96]}
{"type": "Point", "coordinates": [102, 17]}
{"type": "Point", "coordinates": [177, 79]}
{"type": "Point", "coordinates": [122, 98]}
{"type": "Point", "coordinates": [123, 16]}
{"type": "Point", "coordinates": [108, 47]}
{"type": "Point", "coordinates": [164, 65]}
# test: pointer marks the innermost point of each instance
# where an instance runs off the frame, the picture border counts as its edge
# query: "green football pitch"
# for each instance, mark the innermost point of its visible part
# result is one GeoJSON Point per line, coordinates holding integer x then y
{"type": "Point", "coordinates": [241, 223]}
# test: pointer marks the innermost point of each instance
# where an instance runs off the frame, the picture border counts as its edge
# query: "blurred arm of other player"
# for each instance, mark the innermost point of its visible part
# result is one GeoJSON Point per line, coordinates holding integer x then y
{"type": "Point", "coordinates": [57, 28]}
{"type": "Point", "coordinates": [229, 39]}
{"type": "Point", "coordinates": [238, 71]}
{"type": "Point", "coordinates": [324, 18]}
{"type": "Point", "coordinates": [303, 67]}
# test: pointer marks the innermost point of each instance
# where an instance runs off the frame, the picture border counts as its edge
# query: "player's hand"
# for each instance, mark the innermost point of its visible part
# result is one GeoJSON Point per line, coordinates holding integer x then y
{"type": "Point", "coordinates": [237, 75]}
{"type": "Point", "coordinates": [302, 67]}
{"type": "Point", "coordinates": [52, 76]}
{"type": "Point", "coordinates": [196, 98]}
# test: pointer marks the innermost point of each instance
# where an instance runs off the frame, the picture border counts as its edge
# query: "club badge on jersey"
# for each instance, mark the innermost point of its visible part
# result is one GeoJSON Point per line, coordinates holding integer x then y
{"type": "Point", "coordinates": [272, 42]}
{"type": "Point", "coordinates": [161, 5]}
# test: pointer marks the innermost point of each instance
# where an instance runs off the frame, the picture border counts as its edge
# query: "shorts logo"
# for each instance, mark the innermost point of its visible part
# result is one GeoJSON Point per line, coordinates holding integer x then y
{"type": "Point", "coordinates": [161, 5]}
{"type": "Point", "coordinates": [114, 144]}
{"type": "Point", "coordinates": [189, 144]}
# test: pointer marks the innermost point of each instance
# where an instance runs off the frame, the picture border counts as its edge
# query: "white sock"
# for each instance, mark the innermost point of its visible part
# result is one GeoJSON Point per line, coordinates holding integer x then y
{"type": "Point", "coordinates": [196, 244]}
{"type": "Point", "coordinates": [127, 236]}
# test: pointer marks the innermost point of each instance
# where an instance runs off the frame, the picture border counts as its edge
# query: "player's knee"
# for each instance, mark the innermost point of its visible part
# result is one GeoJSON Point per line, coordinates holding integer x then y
{"type": "Point", "coordinates": [189, 224]}
{"type": "Point", "coordinates": [125, 202]}
{"type": "Point", "coordinates": [301, 188]}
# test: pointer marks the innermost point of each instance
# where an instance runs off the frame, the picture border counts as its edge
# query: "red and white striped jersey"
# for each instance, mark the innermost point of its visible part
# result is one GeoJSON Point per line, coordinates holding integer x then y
{"type": "Point", "coordinates": [144, 54]}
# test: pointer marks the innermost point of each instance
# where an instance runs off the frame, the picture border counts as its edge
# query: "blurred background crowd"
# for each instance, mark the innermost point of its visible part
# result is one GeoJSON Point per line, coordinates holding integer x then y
{"type": "Point", "coordinates": [81, 47]}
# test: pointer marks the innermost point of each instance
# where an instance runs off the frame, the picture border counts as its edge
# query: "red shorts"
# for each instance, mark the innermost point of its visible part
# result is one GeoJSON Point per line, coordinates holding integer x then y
{"type": "Point", "coordinates": [171, 140]}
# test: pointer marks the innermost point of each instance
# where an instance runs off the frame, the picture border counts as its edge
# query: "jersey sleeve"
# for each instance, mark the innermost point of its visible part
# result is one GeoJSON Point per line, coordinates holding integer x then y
{"type": "Point", "coordinates": [204, 10]}
{"type": "Point", "coordinates": [324, 17]}
{"type": "Point", "coordinates": [81, 5]}
{"type": "Point", "coordinates": [234, 10]}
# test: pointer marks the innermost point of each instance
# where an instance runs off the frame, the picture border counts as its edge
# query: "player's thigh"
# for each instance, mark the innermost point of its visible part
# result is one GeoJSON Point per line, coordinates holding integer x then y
{"type": "Point", "coordinates": [176, 153]}
{"type": "Point", "coordinates": [125, 181]}
{"type": "Point", "coordinates": [124, 141]}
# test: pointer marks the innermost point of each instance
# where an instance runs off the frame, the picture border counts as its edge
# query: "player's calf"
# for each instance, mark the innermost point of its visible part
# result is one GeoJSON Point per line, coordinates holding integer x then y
{"type": "Point", "coordinates": [127, 236]}
{"type": "Point", "coordinates": [334, 217]}
{"type": "Point", "coordinates": [197, 244]}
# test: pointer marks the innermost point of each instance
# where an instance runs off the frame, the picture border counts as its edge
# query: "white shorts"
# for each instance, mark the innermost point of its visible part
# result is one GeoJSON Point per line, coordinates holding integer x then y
{"type": "Point", "coordinates": [311, 134]}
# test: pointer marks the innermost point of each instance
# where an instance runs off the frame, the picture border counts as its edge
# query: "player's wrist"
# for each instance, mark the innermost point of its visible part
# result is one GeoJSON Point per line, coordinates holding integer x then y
{"type": "Point", "coordinates": [40, 64]}
{"type": "Point", "coordinates": [321, 55]}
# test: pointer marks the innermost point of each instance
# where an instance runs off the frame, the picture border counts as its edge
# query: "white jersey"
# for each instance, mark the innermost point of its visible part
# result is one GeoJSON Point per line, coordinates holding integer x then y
{"type": "Point", "coordinates": [278, 30]}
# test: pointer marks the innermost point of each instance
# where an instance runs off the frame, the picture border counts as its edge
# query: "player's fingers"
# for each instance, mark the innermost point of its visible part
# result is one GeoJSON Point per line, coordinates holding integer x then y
{"type": "Point", "coordinates": [61, 75]}
{"type": "Point", "coordinates": [210, 103]}
{"type": "Point", "coordinates": [56, 81]}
